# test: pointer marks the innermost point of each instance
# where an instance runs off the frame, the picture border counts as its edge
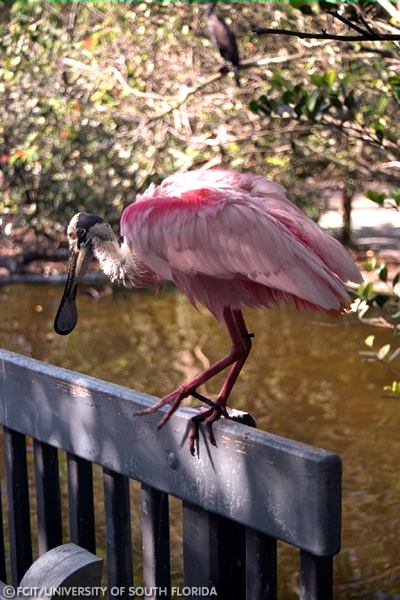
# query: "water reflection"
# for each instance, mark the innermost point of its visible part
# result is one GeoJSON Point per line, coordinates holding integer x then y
{"type": "Point", "coordinates": [304, 380]}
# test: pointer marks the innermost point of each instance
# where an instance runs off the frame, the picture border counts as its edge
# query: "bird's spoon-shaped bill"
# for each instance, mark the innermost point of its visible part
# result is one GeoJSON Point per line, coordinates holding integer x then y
{"type": "Point", "coordinates": [67, 314]}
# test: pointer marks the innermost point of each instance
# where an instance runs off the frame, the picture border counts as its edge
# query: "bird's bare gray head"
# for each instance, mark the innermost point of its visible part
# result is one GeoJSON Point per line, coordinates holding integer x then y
{"type": "Point", "coordinates": [89, 236]}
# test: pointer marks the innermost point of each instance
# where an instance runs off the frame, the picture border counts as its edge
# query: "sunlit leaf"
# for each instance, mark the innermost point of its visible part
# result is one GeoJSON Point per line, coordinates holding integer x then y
{"type": "Point", "coordinates": [370, 265]}
{"type": "Point", "coordinates": [369, 341]}
{"type": "Point", "coordinates": [330, 77]}
{"type": "Point", "coordinates": [383, 352]}
{"type": "Point", "coordinates": [394, 388]}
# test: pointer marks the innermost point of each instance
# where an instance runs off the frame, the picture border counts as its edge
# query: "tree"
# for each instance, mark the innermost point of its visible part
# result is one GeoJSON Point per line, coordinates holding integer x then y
{"type": "Point", "coordinates": [342, 112]}
{"type": "Point", "coordinates": [102, 99]}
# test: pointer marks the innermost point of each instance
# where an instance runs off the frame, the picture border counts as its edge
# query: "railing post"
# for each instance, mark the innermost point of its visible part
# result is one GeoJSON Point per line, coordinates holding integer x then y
{"type": "Point", "coordinates": [155, 536]}
{"type": "Point", "coordinates": [2, 553]}
{"type": "Point", "coordinates": [81, 508]}
{"type": "Point", "coordinates": [48, 498]}
{"type": "Point", "coordinates": [18, 504]}
{"type": "Point", "coordinates": [213, 553]}
{"type": "Point", "coordinates": [261, 566]}
{"type": "Point", "coordinates": [316, 577]}
{"type": "Point", "coordinates": [118, 531]}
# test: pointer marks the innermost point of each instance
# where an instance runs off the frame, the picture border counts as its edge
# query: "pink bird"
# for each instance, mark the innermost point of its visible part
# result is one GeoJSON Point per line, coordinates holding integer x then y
{"type": "Point", "coordinates": [227, 240]}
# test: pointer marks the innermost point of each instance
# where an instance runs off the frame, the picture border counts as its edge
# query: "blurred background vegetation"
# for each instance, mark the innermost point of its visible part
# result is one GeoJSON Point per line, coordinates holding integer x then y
{"type": "Point", "coordinates": [101, 98]}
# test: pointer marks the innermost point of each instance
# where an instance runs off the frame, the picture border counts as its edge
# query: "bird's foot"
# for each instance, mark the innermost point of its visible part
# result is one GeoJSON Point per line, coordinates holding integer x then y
{"type": "Point", "coordinates": [174, 400]}
{"type": "Point", "coordinates": [209, 416]}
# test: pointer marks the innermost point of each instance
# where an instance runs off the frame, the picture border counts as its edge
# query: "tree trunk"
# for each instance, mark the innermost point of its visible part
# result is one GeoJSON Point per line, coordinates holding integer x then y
{"type": "Point", "coordinates": [346, 208]}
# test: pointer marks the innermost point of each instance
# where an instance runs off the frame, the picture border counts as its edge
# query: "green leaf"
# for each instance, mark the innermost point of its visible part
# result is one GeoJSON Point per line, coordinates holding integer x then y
{"type": "Point", "coordinates": [375, 196]}
{"type": "Point", "coordinates": [394, 388]}
{"type": "Point", "coordinates": [330, 77]}
{"type": "Point", "coordinates": [382, 105]}
{"type": "Point", "coordinates": [369, 341]}
{"type": "Point", "coordinates": [312, 101]}
{"type": "Point", "coordinates": [317, 79]}
{"type": "Point", "coordinates": [395, 194]}
{"type": "Point", "coordinates": [384, 351]}
{"type": "Point", "coordinates": [334, 100]}
{"type": "Point", "coordinates": [366, 291]}
{"type": "Point", "coordinates": [350, 101]}
{"type": "Point", "coordinates": [396, 279]}
{"type": "Point", "coordinates": [383, 273]}
{"type": "Point", "coordinates": [381, 299]}
{"type": "Point", "coordinates": [370, 265]}
{"type": "Point", "coordinates": [302, 5]}
{"type": "Point", "coordinates": [254, 106]}
{"type": "Point", "coordinates": [278, 81]}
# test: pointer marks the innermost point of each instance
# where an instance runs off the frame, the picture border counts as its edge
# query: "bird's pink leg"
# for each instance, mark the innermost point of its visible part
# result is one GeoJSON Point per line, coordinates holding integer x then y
{"type": "Point", "coordinates": [235, 355]}
{"type": "Point", "coordinates": [214, 413]}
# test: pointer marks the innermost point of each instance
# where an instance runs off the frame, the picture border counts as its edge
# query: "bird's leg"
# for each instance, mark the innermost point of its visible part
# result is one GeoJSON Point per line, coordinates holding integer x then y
{"type": "Point", "coordinates": [175, 398]}
{"type": "Point", "coordinates": [241, 339]}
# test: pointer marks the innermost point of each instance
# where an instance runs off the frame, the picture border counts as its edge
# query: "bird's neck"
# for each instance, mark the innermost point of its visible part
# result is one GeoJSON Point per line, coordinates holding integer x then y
{"type": "Point", "coordinates": [123, 266]}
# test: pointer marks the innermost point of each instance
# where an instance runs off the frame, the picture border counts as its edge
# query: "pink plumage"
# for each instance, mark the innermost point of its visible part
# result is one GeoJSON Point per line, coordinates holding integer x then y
{"type": "Point", "coordinates": [230, 239]}
{"type": "Point", "coordinates": [227, 240]}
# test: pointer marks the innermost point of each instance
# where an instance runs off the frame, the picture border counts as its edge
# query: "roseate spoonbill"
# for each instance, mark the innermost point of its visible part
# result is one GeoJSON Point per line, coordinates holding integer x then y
{"type": "Point", "coordinates": [227, 240]}
{"type": "Point", "coordinates": [224, 40]}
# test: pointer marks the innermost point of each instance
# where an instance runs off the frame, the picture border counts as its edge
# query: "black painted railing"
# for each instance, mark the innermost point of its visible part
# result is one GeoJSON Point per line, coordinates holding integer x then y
{"type": "Point", "coordinates": [238, 499]}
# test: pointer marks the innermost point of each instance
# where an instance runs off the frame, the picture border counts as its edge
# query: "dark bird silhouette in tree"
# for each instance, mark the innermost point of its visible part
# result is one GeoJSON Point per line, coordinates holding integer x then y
{"type": "Point", "coordinates": [223, 39]}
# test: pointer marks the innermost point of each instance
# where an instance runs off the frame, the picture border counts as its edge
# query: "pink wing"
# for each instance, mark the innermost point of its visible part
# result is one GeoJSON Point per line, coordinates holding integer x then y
{"type": "Point", "coordinates": [277, 205]}
{"type": "Point", "coordinates": [230, 236]}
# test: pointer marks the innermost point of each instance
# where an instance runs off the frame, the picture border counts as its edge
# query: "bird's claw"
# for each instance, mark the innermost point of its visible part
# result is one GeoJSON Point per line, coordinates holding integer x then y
{"type": "Point", "coordinates": [209, 416]}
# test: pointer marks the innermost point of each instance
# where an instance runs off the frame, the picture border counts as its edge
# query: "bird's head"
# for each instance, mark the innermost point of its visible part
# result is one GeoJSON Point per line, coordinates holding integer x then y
{"type": "Point", "coordinates": [89, 236]}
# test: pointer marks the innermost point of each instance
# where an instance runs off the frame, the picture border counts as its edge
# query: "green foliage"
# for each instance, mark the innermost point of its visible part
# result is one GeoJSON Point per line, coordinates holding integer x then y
{"type": "Point", "coordinates": [103, 98]}
{"type": "Point", "coordinates": [390, 198]}
{"type": "Point", "coordinates": [341, 110]}
{"type": "Point", "coordinates": [383, 309]}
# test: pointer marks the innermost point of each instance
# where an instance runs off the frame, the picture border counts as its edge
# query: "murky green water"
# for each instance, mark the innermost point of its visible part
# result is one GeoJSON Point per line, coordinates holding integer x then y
{"type": "Point", "coordinates": [304, 379]}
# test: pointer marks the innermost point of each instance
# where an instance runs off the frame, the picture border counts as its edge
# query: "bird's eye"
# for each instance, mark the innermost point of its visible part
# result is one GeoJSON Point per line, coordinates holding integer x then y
{"type": "Point", "coordinates": [81, 234]}
{"type": "Point", "coordinates": [72, 235]}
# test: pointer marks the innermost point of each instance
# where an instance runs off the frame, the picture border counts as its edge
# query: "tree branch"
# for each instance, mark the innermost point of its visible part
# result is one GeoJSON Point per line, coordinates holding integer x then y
{"type": "Point", "coordinates": [347, 22]}
{"type": "Point", "coordinates": [365, 37]}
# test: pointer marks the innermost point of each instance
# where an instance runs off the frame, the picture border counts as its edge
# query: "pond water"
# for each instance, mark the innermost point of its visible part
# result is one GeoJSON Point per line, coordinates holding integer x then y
{"type": "Point", "coordinates": [304, 379]}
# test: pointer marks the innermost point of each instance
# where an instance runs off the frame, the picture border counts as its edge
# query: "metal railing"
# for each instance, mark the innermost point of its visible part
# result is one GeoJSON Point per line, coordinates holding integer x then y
{"type": "Point", "coordinates": [238, 499]}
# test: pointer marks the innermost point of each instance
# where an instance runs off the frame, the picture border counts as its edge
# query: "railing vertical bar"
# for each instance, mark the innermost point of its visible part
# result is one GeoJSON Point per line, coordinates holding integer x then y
{"type": "Point", "coordinates": [3, 576]}
{"type": "Point", "coordinates": [316, 577]}
{"type": "Point", "coordinates": [200, 545]}
{"type": "Point", "coordinates": [18, 503]}
{"type": "Point", "coordinates": [47, 496]}
{"type": "Point", "coordinates": [118, 531]}
{"type": "Point", "coordinates": [156, 549]}
{"type": "Point", "coordinates": [81, 508]}
{"type": "Point", "coordinates": [261, 566]}
{"type": "Point", "coordinates": [213, 553]}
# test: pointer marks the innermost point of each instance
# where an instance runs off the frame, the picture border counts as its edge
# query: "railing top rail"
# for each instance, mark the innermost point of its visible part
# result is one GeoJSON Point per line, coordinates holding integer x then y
{"type": "Point", "coordinates": [286, 489]}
